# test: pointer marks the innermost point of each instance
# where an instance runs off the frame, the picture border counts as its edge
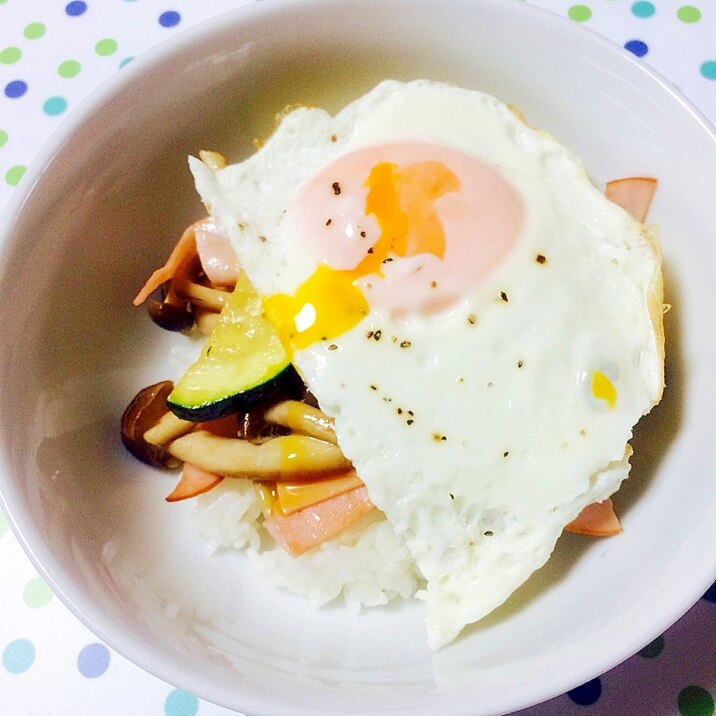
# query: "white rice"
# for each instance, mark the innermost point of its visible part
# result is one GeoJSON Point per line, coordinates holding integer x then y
{"type": "Point", "coordinates": [367, 565]}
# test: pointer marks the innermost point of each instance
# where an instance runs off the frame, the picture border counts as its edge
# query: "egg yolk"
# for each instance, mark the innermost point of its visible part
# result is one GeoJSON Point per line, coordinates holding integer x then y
{"type": "Point", "coordinates": [403, 228]}
{"type": "Point", "coordinates": [603, 389]}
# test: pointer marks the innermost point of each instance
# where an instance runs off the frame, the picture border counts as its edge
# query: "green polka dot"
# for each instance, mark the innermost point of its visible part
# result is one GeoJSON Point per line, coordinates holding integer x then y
{"type": "Point", "coordinates": [695, 701]}
{"type": "Point", "coordinates": [69, 68]}
{"type": "Point", "coordinates": [3, 523]}
{"type": "Point", "coordinates": [688, 13]}
{"type": "Point", "coordinates": [579, 13]}
{"type": "Point", "coordinates": [708, 70]}
{"type": "Point", "coordinates": [14, 174]}
{"type": "Point", "coordinates": [10, 55]}
{"type": "Point", "coordinates": [653, 649]}
{"type": "Point", "coordinates": [106, 47]}
{"type": "Point", "coordinates": [34, 31]}
{"type": "Point", "coordinates": [3, 142]}
{"type": "Point", "coordinates": [36, 593]}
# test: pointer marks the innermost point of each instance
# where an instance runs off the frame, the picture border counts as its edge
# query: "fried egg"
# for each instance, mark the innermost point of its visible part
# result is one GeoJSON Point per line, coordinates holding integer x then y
{"type": "Point", "coordinates": [482, 324]}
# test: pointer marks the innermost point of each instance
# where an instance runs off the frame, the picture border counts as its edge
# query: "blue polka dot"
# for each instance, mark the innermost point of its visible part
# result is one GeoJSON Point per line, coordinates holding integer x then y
{"type": "Point", "coordinates": [125, 61]}
{"type": "Point", "coordinates": [643, 9]}
{"type": "Point", "coordinates": [75, 8]}
{"type": "Point", "coordinates": [708, 70]}
{"type": "Point", "coordinates": [637, 47]}
{"type": "Point", "coordinates": [54, 106]}
{"type": "Point", "coordinates": [18, 656]}
{"type": "Point", "coordinates": [170, 18]}
{"type": "Point", "coordinates": [710, 595]}
{"type": "Point", "coordinates": [15, 89]}
{"type": "Point", "coordinates": [586, 694]}
{"type": "Point", "coordinates": [93, 660]}
{"type": "Point", "coordinates": [180, 703]}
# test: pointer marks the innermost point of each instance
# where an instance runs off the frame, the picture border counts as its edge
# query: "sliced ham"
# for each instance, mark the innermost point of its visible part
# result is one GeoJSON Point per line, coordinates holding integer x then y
{"type": "Point", "coordinates": [633, 194]}
{"type": "Point", "coordinates": [216, 254]}
{"type": "Point", "coordinates": [181, 255]}
{"type": "Point", "coordinates": [203, 241]}
{"type": "Point", "coordinates": [597, 520]}
{"type": "Point", "coordinates": [194, 481]}
{"type": "Point", "coordinates": [302, 530]}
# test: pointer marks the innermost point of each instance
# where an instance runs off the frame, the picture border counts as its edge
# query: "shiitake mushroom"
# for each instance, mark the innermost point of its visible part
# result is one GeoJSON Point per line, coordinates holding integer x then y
{"type": "Point", "coordinates": [170, 316]}
{"type": "Point", "coordinates": [142, 413]}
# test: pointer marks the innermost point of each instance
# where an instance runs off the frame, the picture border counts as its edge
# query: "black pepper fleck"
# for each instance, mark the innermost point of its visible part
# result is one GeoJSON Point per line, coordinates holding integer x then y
{"type": "Point", "coordinates": [333, 347]}
{"type": "Point", "coordinates": [263, 239]}
{"type": "Point", "coordinates": [506, 453]}
{"type": "Point", "coordinates": [377, 335]}
{"type": "Point", "coordinates": [452, 497]}
{"type": "Point", "coordinates": [405, 344]}
{"type": "Point", "coordinates": [472, 319]}
{"type": "Point", "coordinates": [520, 363]}
{"type": "Point", "coordinates": [374, 387]}
{"type": "Point", "coordinates": [370, 250]}
{"type": "Point", "coordinates": [362, 233]}
{"type": "Point", "coordinates": [409, 422]}
{"type": "Point", "coordinates": [388, 260]}
{"type": "Point", "coordinates": [504, 297]}
{"type": "Point", "coordinates": [433, 284]}
{"type": "Point", "coordinates": [400, 411]}
{"type": "Point", "coordinates": [369, 334]}
{"type": "Point", "coordinates": [329, 222]}
{"type": "Point", "coordinates": [488, 533]}
{"type": "Point", "coordinates": [334, 138]}
{"type": "Point", "coordinates": [336, 188]}
{"type": "Point", "coordinates": [541, 259]}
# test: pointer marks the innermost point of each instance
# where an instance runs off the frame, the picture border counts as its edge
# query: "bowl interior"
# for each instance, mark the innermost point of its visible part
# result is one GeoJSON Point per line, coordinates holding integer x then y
{"type": "Point", "coordinates": [111, 194]}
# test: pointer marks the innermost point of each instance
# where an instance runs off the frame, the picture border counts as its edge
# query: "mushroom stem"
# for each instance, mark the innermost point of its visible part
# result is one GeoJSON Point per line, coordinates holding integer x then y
{"type": "Point", "coordinates": [302, 418]}
{"type": "Point", "coordinates": [289, 455]}
{"type": "Point", "coordinates": [168, 428]}
{"type": "Point", "coordinates": [199, 295]}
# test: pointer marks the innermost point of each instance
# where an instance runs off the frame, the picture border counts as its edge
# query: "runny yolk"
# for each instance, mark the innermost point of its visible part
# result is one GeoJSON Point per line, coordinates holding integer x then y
{"type": "Point", "coordinates": [393, 202]}
{"type": "Point", "coordinates": [402, 199]}
{"type": "Point", "coordinates": [403, 202]}
{"type": "Point", "coordinates": [603, 389]}
{"type": "Point", "coordinates": [326, 305]}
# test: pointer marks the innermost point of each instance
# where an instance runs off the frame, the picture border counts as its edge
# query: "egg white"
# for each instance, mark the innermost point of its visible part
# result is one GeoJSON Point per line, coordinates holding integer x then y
{"type": "Point", "coordinates": [475, 431]}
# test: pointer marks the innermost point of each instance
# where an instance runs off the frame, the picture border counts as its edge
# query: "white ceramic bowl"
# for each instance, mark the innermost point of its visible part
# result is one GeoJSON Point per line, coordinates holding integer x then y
{"type": "Point", "coordinates": [104, 204]}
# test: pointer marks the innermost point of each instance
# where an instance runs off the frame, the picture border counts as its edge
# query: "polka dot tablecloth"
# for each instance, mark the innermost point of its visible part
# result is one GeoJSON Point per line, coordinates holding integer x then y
{"type": "Point", "coordinates": [52, 54]}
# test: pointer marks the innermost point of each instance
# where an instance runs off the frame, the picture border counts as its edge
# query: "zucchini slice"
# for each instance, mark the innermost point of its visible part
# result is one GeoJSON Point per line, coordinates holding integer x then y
{"type": "Point", "coordinates": [242, 363]}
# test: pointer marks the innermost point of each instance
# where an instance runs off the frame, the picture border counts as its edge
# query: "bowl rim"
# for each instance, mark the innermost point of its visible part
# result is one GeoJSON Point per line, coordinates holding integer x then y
{"type": "Point", "coordinates": [47, 566]}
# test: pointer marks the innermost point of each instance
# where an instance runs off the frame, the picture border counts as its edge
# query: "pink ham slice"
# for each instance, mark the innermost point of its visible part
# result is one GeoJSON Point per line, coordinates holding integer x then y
{"type": "Point", "coordinates": [216, 254]}
{"type": "Point", "coordinates": [633, 194]}
{"type": "Point", "coordinates": [194, 481]}
{"type": "Point", "coordinates": [202, 239]}
{"type": "Point", "coordinates": [597, 520]}
{"type": "Point", "coordinates": [309, 527]}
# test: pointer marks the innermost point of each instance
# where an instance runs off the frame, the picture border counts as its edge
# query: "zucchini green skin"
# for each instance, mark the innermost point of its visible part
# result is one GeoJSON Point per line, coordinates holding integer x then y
{"type": "Point", "coordinates": [243, 363]}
